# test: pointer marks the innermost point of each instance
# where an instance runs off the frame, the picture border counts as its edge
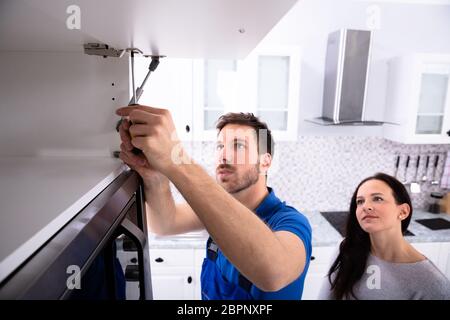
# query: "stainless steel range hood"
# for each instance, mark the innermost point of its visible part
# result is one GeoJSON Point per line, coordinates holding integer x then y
{"type": "Point", "coordinates": [346, 74]}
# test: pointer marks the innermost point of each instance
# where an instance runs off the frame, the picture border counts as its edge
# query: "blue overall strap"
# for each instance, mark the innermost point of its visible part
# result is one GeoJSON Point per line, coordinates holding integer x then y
{"type": "Point", "coordinates": [213, 252]}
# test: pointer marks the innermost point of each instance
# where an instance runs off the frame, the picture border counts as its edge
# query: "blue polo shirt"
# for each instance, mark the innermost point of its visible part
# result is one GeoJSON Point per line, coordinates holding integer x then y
{"type": "Point", "coordinates": [278, 216]}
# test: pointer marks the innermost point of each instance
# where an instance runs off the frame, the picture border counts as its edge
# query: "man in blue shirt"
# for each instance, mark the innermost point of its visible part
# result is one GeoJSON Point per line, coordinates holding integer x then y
{"type": "Point", "coordinates": [259, 248]}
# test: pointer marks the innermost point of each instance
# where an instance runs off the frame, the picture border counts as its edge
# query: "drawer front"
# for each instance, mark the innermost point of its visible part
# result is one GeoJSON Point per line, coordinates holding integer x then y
{"type": "Point", "coordinates": [171, 257]}
{"type": "Point", "coordinates": [323, 255]}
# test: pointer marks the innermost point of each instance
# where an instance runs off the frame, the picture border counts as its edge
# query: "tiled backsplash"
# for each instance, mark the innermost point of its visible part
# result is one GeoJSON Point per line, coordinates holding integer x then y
{"type": "Point", "coordinates": [321, 172]}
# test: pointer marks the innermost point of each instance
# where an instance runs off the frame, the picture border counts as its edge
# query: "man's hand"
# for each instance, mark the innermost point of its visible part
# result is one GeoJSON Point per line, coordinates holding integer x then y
{"type": "Point", "coordinates": [152, 130]}
{"type": "Point", "coordinates": [138, 163]}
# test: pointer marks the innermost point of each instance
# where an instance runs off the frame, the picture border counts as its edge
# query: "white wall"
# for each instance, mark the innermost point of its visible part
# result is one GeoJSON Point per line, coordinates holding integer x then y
{"type": "Point", "coordinates": [405, 27]}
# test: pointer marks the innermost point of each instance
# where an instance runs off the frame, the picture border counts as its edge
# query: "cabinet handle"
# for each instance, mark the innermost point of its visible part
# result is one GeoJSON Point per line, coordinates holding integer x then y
{"type": "Point", "coordinates": [189, 279]}
{"type": "Point", "coordinates": [159, 260]}
{"type": "Point", "coordinates": [132, 272]}
{"type": "Point", "coordinates": [313, 258]}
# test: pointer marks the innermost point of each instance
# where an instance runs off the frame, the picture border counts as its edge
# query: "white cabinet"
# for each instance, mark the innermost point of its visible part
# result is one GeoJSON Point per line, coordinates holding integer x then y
{"type": "Point", "coordinates": [444, 259]}
{"type": "Point", "coordinates": [173, 284]}
{"type": "Point", "coordinates": [418, 99]}
{"type": "Point", "coordinates": [173, 274]}
{"type": "Point", "coordinates": [438, 253]}
{"type": "Point", "coordinates": [200, 255]}
{"type": "Point", "coordinates": [318, 268]}
{"type": "Point", "coordinates": [429, 250]}
{"type": "Point", "coordinates": [169, 87]}
{"type": "Point", "coordinates": [266, 83]}
{"type": "Point", "coordinates": [226, 28]}
{"type": "Point", "coordinates": [198, 91]}
{"type": "Point", "coordinates": [176, 273]}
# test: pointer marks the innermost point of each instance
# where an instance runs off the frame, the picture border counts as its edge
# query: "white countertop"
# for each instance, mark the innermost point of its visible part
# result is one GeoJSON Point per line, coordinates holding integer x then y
{"type": "Point", "coordinates": [323, 233]}
{"type": "Point", "coordinates": [38, 195]}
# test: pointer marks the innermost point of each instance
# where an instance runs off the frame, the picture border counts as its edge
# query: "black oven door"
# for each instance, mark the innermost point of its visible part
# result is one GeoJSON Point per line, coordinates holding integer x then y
{"type": "Point", "coordinates": [85, 259]}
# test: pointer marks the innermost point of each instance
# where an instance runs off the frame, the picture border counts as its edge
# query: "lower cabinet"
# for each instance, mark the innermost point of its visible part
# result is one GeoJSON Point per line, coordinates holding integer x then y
{"type": "Point", "coordinates": [176, 273]}
{"type": "Point", "coordinates": [438, 253]}
{"type": "Point", "coordinates": [318, 268]}
{"type": "Point", "coordinates": [431, 250]}
{"type": "Point", "coordinates": [200, 255]}
{"type": "Point", "coordinates": [173, 283]}
{"type": "Point", "coordinates": [444, 259]}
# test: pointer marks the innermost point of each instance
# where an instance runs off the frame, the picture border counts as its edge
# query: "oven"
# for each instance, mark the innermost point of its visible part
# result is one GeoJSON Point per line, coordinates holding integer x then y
{"type": "Point", "coordinates": [102, 253]}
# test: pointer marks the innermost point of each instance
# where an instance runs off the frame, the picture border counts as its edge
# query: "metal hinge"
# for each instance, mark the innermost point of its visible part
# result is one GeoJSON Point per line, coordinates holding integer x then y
{"type": "Point", "coordinates": [100, 49]}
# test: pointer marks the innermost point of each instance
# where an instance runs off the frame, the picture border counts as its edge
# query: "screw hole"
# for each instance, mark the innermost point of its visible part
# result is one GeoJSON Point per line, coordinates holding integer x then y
{"type": "Point", "coordinates": [113, 99]}
{"type": "Point", "coordinates": [113, 84]}
{"type": "Point", "coordinates": [188, 128]}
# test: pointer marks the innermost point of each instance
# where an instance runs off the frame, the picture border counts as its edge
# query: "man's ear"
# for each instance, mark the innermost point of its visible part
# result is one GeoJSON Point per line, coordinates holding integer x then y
{"type": "Point", "coordinates": [265, 161]}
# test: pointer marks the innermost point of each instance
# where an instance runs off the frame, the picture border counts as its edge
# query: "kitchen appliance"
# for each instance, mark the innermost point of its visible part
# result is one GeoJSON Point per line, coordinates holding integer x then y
{"type": "Point", "coordinates": [415, 186]}
{"type": "Point", "coordinates": [434, 202]}
{"type": "Point", "coordinates": [405, 175]}
{"type": "Point", "coordinates": [80, 260]}
{"type": "Point", "coordinates": [346, 75]}
{"type": "Point", "coordinates": [425, 172]}
{"type": "Point", "coordinates": [397, 163]}
{"type": "Point", "coordinates": [435, 223]}
{"type": "Point", "coordinates": [435, 180]}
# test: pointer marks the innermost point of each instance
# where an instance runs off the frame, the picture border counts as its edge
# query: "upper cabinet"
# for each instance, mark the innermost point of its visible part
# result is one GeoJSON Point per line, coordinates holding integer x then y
{"type": "Point", "coordinates": [418, 99]}
{"type": "Point", "coordinates": [169, 87]}
{"type": "Point", "coordinates": [265, 83]}
{"type": "Point", "coordinates": [175, 28]}
{"type": "Point", "coordinates": [66, 99]}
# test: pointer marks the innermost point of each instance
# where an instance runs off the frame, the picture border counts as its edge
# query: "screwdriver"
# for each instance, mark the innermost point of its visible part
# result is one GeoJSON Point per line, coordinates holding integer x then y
{"type": "Point", "coordinates": [138, 93]}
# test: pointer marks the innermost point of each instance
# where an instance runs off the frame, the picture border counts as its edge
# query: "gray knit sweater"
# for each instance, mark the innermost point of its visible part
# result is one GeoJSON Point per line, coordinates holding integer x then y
{"type": "Point", "coordinates": [397, 281]}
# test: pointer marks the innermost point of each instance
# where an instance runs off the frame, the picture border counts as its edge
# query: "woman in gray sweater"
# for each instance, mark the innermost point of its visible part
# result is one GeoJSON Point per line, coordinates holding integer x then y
{"type": "Point", "coordinates": [374, 260]}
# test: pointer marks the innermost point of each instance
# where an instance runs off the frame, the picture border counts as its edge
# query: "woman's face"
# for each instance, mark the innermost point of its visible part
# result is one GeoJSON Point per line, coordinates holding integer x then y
{"type": "Point", "coordinates": [376, 209]}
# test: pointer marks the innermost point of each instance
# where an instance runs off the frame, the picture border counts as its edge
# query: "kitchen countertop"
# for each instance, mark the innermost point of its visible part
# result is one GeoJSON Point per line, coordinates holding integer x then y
{"type": "Point", "coordinates": [192, 240]}
{"type": "Point", "coordinates": [324, 233]}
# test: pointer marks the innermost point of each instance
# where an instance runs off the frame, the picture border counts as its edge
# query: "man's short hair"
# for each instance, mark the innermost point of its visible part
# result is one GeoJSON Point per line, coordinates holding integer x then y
{"type": "Point", "coordinates": [249, 119]}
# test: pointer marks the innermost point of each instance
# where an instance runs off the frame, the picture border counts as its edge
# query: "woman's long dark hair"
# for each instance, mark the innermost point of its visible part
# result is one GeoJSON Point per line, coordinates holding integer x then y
{"type": "Point", "coordinates": [354, 250]}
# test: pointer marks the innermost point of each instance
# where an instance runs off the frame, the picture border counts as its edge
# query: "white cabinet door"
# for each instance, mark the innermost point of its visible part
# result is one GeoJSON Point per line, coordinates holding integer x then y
{"type": "Point", "coordinates": [176, 283]}
{"type": "Point", "coordinates": [438, 253]}
{"type": "Point", "coordinates": [173, 273]}
{"type": "Point", "coordinates": [265, 83]}
{"type": "Point", "coordinates": [313, 282]}
{"type": "Point", "coordinates": [431, 250]}
{"type": "Point", "coordinates": [200, 255]}
{"type": "Point", "coordinates": [318, 269]}
{"type": "Point", "coordinates": [444, 259]}
{"type": "Point", "coordinates": [169, 87]}
{"type": "Point", "coordinates": [418, 99]}
{"type": "Point", "coordinates": [167, 258]}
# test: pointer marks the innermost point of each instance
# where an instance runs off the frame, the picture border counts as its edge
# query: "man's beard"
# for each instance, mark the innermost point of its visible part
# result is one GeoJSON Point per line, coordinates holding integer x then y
{"type": "Point", "coordinates": [248, 179]}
